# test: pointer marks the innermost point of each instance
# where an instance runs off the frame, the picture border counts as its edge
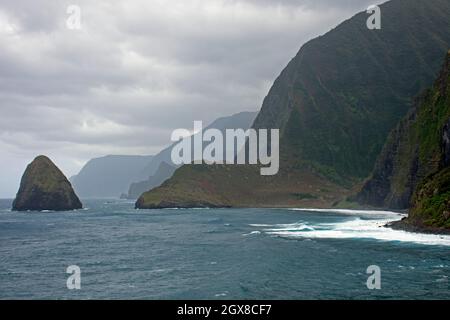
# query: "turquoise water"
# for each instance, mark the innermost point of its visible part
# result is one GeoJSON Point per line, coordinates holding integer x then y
{"type": "Point", "coordinates": [216, 254]}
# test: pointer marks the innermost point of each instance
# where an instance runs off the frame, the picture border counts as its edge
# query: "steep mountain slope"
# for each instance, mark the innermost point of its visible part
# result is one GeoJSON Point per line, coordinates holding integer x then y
{"type": "Point", "coordinates": [44, 187]}
{"type": "Point", "coordinates": [108, 176]}
{"type": "Point", "coordinates": [413, 169]}
{"type": "Point", "coordinates": [412, 152]}
{"type": "Point", "coordinates": [335, 104]}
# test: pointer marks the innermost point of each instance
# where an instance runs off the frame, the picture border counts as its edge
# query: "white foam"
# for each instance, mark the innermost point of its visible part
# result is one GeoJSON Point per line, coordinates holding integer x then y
{"type": "Point", "coordinates": [223, 294]}
{"type": "Point", "coordinates": [353, 212]}
{"type": "Point", "coordinates": [359, 227]}
{"type": "Point", "coordinates": [298, 226]}
{"type": "Point", "coordinates": [261, 225]}
{"type": "Point", "coordinates": [252, 233]}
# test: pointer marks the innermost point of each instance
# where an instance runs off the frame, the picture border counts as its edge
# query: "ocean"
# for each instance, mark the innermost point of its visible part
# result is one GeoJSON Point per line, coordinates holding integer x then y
{"type": "Point", "coordinates": [125, 253]}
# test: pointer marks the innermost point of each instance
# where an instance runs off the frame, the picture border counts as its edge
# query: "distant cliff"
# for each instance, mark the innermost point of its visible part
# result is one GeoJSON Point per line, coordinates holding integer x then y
{"type": "Point", "coordinates": [161, 167]}
{"type": "Point", "coordinates": [44, 187]}
{"type": "Point", "coordinates": [109, 177]}
{"type": "Point", "coordinates": [242, 120]}
{"type": "Point", "coordinates": [163, 173]}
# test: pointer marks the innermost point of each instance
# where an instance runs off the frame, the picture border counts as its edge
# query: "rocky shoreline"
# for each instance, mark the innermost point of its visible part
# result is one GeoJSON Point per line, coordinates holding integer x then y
{"type": "Point", "coordinates": [405, 225]}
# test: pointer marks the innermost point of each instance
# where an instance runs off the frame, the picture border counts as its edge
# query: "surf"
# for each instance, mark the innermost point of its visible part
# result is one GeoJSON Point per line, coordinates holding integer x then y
{"type": "Point", "coordinates": [354, 224]}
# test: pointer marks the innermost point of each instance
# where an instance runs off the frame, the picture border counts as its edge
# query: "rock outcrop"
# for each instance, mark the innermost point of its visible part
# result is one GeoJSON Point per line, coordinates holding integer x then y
{"type": "Point", "coordinates": [44, 187]}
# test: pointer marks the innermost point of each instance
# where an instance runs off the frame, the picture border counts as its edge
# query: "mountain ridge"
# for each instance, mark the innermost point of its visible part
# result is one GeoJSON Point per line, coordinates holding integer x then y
{"type": "Point", "coordinates": [108, 176]}
{"type": "Point", "coordinates": [335, 104]}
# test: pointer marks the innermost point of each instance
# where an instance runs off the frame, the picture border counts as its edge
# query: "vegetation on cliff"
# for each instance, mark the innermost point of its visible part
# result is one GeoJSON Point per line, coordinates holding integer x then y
{"type": "Point", "coordinates": [335, 104]}
{"type": "Point", "coordinates": [239, 186]}
{"type": "Point", "coordinates": [416, 148]}
{"type": "Point", "coordinates": [44, 187]}
{"type": "Point", "coordinates": [428, 134]}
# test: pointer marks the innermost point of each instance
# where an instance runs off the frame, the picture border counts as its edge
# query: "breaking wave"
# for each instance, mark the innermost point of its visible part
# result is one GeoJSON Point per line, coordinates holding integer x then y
{"type": "Point", "coordinates": [355, 224]}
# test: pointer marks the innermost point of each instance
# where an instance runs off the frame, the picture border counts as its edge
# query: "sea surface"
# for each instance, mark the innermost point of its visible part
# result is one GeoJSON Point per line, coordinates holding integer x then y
{"type": "Point", "coordinates": [125, 253]}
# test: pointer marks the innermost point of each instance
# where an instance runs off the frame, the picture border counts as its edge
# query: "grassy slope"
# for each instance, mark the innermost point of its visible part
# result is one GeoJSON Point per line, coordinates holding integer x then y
{"type": "Point", "coordinates": [240, 186]}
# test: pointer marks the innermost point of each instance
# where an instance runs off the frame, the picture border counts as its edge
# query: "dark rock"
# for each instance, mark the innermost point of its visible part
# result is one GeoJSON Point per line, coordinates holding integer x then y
{"type": "Point", "coordinates": [446, 144]}
{"type": "Point", "coordinates": [44, 187]}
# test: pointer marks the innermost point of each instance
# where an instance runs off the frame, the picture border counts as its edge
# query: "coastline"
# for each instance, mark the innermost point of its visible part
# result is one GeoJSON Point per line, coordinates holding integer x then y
{"type": "Point", "coordinates": [405, 225]}
{"type": "Point", "coordinates": [401, 225]}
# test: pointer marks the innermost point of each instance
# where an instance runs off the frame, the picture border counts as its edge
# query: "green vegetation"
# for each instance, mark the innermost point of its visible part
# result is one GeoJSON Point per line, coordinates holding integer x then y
{"type": "Point", "coordinates": [413, 169]}
{"type": "Point", "coordinates": [240, 186]}
{"type": "Point", "coordinates": [431, 203]}
{"type": "Point", "coordinates": [335, 104]}
{"type": "Point", "coordinates": [412, 151]}
{"type": "Point", "coordinates": [44, 187]}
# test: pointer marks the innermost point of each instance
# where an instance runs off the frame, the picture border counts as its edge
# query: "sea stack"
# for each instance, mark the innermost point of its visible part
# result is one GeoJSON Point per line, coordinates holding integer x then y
{"type": "Point", "coordinates": [44, 187]}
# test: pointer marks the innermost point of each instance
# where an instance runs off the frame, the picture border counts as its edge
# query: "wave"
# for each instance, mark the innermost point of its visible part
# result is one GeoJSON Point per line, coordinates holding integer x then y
{"type": "Point", "coordinates": [252, 233]}
{"type": "Point", "coordinates": [359, 227]}
{"type": "Point", "coordinates": [294, 227]}
{"type": "Point", "coordinates": [370, 213]}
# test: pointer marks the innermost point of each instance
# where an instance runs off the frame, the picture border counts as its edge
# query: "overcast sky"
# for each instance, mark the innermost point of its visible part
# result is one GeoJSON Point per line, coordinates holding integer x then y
{"type": "Point", "coordinates": [137, 69]}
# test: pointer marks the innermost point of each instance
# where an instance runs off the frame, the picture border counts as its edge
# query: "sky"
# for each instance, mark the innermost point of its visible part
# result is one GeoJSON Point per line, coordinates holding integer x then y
{"type": "Point", "coordinates": [136, 70]}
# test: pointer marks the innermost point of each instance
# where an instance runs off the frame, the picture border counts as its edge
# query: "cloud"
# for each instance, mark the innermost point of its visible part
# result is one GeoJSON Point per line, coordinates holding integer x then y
{"type": "Point", "coordinates": [137, 70]}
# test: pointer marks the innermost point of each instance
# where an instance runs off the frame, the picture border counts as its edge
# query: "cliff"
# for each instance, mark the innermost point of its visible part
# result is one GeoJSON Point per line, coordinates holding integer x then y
{"type": "Point", "coordinates": [430, 181]}
{"type": "Point", "coordinates": [417, 148]}
{"type": "Point", "coordinates": [163, 173]}
{"type": "Point", "coordinates": [335, 104]}
{"type": "Point", "coordinates": [109, 176]}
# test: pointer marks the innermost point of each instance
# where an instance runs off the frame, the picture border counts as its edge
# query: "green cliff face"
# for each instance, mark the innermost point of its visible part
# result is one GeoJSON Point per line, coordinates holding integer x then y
{"type": "Point", "coordinates": [416, 148]}
{"type": "Point", "coordinates": [44, 187]}
{"type": "Point", "coordinates": [335, 104]}
{"type": "Point", "coordinates": [431, 204]}
{"type": "Point", "coordinates": [426, 168]}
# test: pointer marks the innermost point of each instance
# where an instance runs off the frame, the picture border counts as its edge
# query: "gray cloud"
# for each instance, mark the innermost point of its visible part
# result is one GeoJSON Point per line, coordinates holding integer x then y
{"type": "Point", "coordinates": [137, 70]}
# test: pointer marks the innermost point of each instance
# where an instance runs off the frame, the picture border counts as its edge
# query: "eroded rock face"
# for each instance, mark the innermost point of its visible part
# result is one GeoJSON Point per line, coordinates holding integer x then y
{"type": "Point", "coordinates": [396, 171]}
{"type": "Point", "coordinates": [418, 147]}
{"type": "Point", "coordinates": [446, 144]}
{"type": "Point", "coordinates": [417, 163]}
{"type": "Point", "coordinates": [44, 187]}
